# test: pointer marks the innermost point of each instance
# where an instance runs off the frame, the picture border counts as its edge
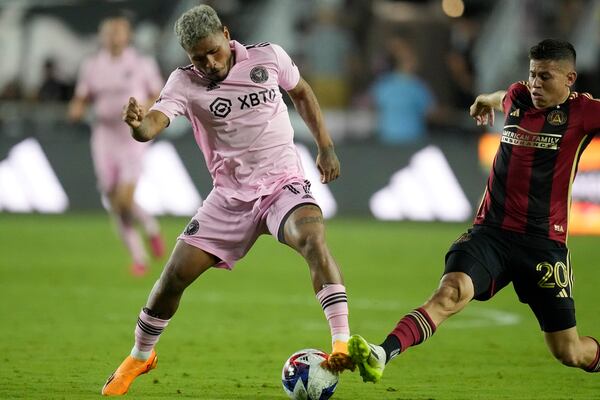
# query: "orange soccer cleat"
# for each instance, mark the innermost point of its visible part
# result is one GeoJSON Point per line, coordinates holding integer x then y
{"type": "Point", "coordinates": [339, 359]}
{"type": "Point", "coordinates": [118, 383]}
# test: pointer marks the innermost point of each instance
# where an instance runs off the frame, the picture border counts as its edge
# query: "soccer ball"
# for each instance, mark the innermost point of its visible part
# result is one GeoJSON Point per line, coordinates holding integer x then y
{"type": "Point", "coordinates": [303, 378]}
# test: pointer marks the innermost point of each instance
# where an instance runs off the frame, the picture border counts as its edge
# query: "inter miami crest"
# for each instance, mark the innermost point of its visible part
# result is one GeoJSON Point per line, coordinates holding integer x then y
{"type": "Point", "coordinates": [259, 74]}
{"type": "Point", "coordinates": [192, 228]}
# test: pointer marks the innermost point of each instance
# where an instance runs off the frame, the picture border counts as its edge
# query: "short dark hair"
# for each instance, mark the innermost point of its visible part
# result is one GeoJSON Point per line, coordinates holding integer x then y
{"type": "Point", "coordinates": [553, 49]}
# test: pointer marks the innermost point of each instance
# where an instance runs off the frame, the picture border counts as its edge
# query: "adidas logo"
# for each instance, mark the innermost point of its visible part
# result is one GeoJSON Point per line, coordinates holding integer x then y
{"type": "Point", "coordinates": [212, 86]}
{"type": "Point", "coordinates": [28, 182]}
{"type": "Point", "coordinates": [435, 193]}
{"type": "Point", "coordinates": [373, 352]}
{"type": "Point", "coordinates": [165, 186]}
{"type": "Point", "coordinates": [515, 113]}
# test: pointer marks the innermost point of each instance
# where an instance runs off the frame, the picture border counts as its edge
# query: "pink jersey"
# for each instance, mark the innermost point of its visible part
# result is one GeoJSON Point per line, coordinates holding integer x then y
{"type": "Point", "coordinates": [241, 124]}
{"type": "Point", "coordinates": [109, 81]}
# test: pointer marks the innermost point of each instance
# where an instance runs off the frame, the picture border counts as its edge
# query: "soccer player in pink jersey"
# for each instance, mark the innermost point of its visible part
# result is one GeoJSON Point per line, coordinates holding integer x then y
{"type": "Point", "coordinates": [106, 80]}
{"type": "Point", "coordinates": [230, 93]}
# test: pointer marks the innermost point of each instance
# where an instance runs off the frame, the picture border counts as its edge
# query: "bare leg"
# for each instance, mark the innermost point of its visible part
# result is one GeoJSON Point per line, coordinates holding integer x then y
{"type": "Point", "coordinates": [185, 265]}
{"type": "Point", "coordinates": [304, 231]}
{"type": "Point", "coordinates": [453, 294]}
{"type": "Point", "coordinates": [571, 349]}
{"type": "Point", "coordinates": [121, 202]}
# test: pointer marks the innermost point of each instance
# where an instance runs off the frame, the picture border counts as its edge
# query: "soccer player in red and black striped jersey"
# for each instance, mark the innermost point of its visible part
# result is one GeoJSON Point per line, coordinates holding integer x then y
{"type": "Point", "coordinates": [520, 231]}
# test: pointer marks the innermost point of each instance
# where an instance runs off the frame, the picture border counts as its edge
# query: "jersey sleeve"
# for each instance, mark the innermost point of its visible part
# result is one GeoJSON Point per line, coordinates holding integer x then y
{"type": "Point", "coordinates": [289, 75]}
{"type": "Point", "coordinates": [518, 94]}
{"type": "Point", "coordinates": [591, 115]}
{"type": "Point", "coordinates": [173, 97]}
{"type": "Point", "coordinates": [83, 88]}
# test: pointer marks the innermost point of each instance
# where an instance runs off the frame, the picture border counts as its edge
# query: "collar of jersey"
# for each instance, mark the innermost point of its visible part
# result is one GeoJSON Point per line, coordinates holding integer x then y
{"type": "Point", "coordinates": [241, 53]}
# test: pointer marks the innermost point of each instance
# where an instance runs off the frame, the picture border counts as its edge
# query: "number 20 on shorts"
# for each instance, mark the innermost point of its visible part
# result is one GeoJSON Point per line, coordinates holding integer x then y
{"type": "Point", "coordinates": [559, 271]}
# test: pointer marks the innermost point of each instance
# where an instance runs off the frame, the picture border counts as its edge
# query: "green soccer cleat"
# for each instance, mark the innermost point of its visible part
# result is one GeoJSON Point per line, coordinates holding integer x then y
{"type": "Point", "coordinates": [369, 358]}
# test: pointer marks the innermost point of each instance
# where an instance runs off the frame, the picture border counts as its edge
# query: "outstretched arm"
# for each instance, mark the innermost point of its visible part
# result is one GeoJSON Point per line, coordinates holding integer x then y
{"type": "Point", "coordinates": [77, 107]}
{"type": "Point", "coordinates": [144, 127]}
{"type": "Point", "coordinates": [307, 106]}
{"type": "Point", "coordinates": [485, 104]}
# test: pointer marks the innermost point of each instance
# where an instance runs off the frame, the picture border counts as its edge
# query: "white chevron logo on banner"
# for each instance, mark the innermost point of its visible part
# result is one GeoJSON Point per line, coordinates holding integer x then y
{"type": "Point", "coordinates": [425, 190]}
{"type": "Point", "coordinates": [165, 186]}
{"type": "Point", "coordinates": [28, 183]}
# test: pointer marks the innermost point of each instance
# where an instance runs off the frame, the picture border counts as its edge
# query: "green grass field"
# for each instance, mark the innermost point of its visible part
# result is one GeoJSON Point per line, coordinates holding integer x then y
{"type": "Point", "coordinates": [68, 308]}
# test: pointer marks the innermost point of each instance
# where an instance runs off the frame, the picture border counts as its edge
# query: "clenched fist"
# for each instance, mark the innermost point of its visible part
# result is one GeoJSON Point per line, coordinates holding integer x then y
{"type": "Point", "coordinates": [133, 113]}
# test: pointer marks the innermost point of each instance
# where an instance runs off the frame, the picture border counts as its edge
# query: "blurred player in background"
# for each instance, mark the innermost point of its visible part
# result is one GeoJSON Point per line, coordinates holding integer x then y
{"type": "Point", "coordinates": [106, 81]}
{"type": "Point", "coordinates": [520, 230]}
{"type": "Point", "coordinates": [230, 93]}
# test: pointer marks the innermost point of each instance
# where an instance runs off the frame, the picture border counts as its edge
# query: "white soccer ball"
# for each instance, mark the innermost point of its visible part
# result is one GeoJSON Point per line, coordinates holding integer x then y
{"type": "Point", "coordinates": [303, 378]}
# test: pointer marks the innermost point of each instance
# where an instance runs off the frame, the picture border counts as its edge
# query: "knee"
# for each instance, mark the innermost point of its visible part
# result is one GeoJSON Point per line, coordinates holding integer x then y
{"type": "Point", "coordinates": [126, 215]}
{"type": "Point", "coordinates": [173, 280]}
{"type": "Point", "coordinates": [311, 244]}
{"type": "Point", "coordinates": [448, 298]}
{"type": "Point", "coordinates": [123, 210]}
{"type": "Point", "coordinates": [452, 296]}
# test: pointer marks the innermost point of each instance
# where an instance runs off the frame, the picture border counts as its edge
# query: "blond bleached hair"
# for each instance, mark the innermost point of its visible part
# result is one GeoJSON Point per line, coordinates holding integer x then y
{"type": "Point", "coordinates": [197, 24]}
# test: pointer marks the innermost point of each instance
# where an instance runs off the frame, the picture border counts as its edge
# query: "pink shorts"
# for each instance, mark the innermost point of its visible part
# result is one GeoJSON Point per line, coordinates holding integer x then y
{"type": "Point", "coordinates": [228, 228]}
{"type": "Point", "coordinates": [118, 158]}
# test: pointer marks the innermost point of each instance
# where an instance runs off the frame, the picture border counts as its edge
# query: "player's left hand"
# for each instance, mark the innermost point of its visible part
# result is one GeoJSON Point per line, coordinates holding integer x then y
{"type": "Point", "coordinates": [328, 164]}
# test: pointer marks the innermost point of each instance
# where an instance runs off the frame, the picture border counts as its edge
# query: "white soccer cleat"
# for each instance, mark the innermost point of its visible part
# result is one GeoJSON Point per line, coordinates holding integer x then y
{"type": "Point", "coordinates": [370, 358]}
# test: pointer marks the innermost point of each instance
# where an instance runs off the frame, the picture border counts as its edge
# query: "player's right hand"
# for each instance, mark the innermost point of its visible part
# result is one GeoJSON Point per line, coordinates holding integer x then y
{"type": "Point", "coordinates": [133, 113]}
{"type": "Point", "coordinates": [482, 111]}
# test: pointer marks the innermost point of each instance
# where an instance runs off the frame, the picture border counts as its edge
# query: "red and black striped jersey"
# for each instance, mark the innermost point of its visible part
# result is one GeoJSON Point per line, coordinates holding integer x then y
{"type": "Point", "coordinates": [529, 186]}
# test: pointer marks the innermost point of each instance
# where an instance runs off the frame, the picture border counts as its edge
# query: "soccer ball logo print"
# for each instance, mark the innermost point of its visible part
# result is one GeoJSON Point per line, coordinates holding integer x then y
{"type": "Point", "coordinates": [303, 377]}
{"type": "Point", "coordinates": [220, 107]}
{"type": "Point", "coordinates": [259, 74]}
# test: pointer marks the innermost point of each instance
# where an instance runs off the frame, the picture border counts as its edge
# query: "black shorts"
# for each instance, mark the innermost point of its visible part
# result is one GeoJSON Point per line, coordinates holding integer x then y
{"type": "Point", "coordinates": [539, 269]}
